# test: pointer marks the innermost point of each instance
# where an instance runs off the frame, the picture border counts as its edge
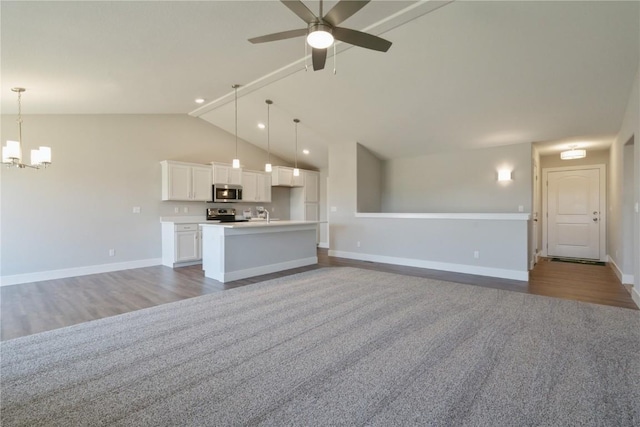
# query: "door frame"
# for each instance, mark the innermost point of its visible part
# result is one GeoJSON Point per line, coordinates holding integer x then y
{"type": "Point", "coordinates": [603, 205]}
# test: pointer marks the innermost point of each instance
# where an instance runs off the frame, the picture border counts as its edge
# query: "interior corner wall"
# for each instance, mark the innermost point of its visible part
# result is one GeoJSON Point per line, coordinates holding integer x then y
{"type": "Point", "coordinates": [70, 214]}
{"type": "Point", "coordinates": [459, 181]}
{"type": "Point", "coordinates": [369, 180]}
{"type": "Point", "coordinates": [629, 129]}
{"type": "Point", "coordinates": [438, 243]}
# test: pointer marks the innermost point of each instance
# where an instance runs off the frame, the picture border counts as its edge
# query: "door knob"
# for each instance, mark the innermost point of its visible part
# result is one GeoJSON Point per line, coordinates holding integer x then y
{"type": "Point", "coordinates": [595, 212]}
{"type": "Point", "coordinates": [595, 219]}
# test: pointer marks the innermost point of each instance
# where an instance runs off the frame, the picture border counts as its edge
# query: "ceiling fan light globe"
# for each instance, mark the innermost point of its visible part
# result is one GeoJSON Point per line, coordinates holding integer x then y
{"type": "Point", "coordinates": [320, 39]}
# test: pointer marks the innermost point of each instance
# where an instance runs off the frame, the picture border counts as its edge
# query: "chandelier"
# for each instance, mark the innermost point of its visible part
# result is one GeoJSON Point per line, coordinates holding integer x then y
{"type": "Point", "coordinates": [12, 152]}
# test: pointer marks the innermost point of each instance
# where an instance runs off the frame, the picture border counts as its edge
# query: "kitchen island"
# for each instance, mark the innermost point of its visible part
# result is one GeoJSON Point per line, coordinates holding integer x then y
{"type": "Point", "coordinates": [234, 251]}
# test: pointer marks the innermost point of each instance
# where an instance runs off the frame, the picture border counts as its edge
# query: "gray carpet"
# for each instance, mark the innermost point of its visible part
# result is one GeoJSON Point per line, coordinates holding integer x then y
{"type": "Point", "coordinates": [337, 346]}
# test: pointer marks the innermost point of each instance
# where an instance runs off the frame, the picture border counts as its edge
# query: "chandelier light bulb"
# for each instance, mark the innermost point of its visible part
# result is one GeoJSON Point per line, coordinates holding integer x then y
{"type": "Point", "coordinates": [296, 172]}
{"type": "Point", "coordinates": [236, 163]}
{"type": "Point", "coordinates": [268, 167]}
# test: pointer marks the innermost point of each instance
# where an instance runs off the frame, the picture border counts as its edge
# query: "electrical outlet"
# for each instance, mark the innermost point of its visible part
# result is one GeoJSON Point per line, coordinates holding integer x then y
{"type": "Point", "coordinates": [358, 243]}
{"type": "Point", "coordinates": [476, 254]}
{"type": "Point", "coordinates": [520, 208]}
{"type": "Point", "coordinates": [185, 209]}
{"type": "Point", "coordinates": [334, 209]}
{"type": "Point", "coordinates": [176, 210]}
{"type": "Point", "coordinates": [112, 252]}
{"type": "Point", "coordinates": [136, 209]}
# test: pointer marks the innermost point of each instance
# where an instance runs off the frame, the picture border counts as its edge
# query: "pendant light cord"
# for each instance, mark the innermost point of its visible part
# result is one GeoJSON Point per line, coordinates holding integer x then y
{"type": "Point", "coordinates": [235, 87]}
{"type": "Point", "coordinates": [20, 118]}
{"type": "Point", "coordinates": [268, 131]}
{"type": "Point", "coordinates": [296, 121]}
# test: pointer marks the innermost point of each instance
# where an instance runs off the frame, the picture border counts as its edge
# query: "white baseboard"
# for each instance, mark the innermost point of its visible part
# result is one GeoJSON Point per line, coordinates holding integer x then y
{"type": "Point", "coordinates": [40, 276]}
{"type": "Point", "coordinates": [324, 245]}
{"type": "Point", "coordinates": [444, 266]}
{"type": "Point", "coordinates": [626, 279]}
{"type": "Point", "coordinates": [257, 271]}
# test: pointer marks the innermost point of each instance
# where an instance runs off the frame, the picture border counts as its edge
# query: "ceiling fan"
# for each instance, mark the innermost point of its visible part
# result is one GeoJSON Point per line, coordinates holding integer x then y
{"type": "Point", "coordinates": [322, 30]}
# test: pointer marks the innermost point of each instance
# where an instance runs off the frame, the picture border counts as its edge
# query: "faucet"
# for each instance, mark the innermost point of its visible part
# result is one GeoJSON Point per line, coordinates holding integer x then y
{"type": "Point", "coordinates": [268, 217]}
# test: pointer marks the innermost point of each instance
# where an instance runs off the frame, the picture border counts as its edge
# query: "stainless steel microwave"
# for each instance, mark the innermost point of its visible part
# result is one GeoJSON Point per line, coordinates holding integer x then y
{"type": "Point", "coordinates": [224, 193]}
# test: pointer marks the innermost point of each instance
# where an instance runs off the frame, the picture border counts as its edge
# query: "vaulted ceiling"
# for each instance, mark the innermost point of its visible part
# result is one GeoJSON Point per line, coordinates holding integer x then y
{"type": "Point", "coordinates": [459, 74]}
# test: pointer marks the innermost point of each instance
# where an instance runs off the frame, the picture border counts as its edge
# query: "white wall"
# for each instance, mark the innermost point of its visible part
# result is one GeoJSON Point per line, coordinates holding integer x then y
{"type": "Point", "coordinates": [431, 243]}
{"type": "Point", "coordinates": [460, 181]}
{"type": "Point", "coordinates": [69, 215]}
{"type": "Point", "coordinates": [627, 260]}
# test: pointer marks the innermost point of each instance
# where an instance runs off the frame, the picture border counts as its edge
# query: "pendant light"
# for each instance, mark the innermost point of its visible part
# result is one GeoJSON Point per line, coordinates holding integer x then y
{"type": "Point", "coordinates": [267, 166]}
{"type": "Point", "coordinates": [296, 171]}
{"type": "Point", "coordinates": [12, 152]}
{"type": "Point", "coordinates": [236, 160]}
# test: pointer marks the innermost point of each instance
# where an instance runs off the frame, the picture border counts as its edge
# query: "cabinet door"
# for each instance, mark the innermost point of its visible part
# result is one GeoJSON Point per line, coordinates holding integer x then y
{"type": "Point", "coordinates": [311, 212]}
{"type": "Point", "coordinates": [179, 181]}
{"type": "Point", "coordinates": [311, 190]}
{"type": "Point", "coordinates": [221, 174]}
{"type": "Point", "coordinates": [201, 183]}
{"type": "Point", "coordinates": [249, 187]}
{"type": "Point", "coordinates": [187, 246]}
{"type": "Point", "coordinates": [285, 176]}
{"type": "Point", "coordinates": [297, 181]}
{"type": "Point", "coordinates": [235, 176]}
{"type": "Point", "coordinates": [263, 184]}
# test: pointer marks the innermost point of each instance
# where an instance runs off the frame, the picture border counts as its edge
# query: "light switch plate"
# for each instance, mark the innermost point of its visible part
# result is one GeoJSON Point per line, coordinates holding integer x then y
{"type": "Point", "coordinates": [136, 209]}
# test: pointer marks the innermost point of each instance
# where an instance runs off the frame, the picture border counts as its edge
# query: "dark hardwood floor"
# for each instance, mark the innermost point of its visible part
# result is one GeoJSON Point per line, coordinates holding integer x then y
{"type": "Point", "coordinates": [36, 307]}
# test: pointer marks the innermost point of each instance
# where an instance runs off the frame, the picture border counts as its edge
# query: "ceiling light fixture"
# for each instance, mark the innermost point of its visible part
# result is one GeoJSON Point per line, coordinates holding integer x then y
{"type": "Point", "coordinates": [267, 166]}
{"type": "Point", "coordinates": [320, 36]}
{"type": "Point", "coordinates": [573, 153]}
{"type": "Point", "coordinates": [199, 100]}
{"type": "Point", "coordinates": [296, 171]}
{"type": "Point", "coordinates": [12, 152]}
{"type": "Point", "coordinates": [261, 126]}
{"type": "Point", "coordinates": [236, 160]}
{"type": "Point", "coordinates": [305, 151]}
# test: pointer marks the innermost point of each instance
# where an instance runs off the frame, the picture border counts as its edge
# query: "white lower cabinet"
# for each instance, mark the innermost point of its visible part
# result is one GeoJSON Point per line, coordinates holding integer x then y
{"type": "Point", "coordinates": [181, 244]}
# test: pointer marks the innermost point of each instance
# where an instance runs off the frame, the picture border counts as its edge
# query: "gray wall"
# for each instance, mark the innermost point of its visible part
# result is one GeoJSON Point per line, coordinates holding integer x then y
{"type": "Point", "coordinates": [433, 243]}
{"type": "Point", "coordinates": [369, 169]}
{"type": "Point", "coordinates": [460, 181]}
{"type": "Point", "coordinates": [72, 213]}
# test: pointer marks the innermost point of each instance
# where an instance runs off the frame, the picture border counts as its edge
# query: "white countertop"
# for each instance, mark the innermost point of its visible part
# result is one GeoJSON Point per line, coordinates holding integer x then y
{"type": "Point", "coordinates": [255, 224]}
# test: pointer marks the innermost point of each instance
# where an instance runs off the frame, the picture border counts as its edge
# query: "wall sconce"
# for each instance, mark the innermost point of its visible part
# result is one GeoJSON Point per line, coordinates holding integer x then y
{"type": "Point", "coordinates": [504, 175]}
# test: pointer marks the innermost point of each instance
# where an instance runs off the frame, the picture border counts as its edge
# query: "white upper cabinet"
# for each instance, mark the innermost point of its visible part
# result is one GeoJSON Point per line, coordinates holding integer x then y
{"type": "Point", "coordinates": [201, 181]}
{"type": "Point", "coordinates": [311, 186]}
{"type": "Point", "coordinates": [185, 181]}
{"type": "Point", "coordinates": [224, 173]}
{"type": "Point", "coordinates": [282, 176]}
{"type": "Point", "coordinates": [256, 187]}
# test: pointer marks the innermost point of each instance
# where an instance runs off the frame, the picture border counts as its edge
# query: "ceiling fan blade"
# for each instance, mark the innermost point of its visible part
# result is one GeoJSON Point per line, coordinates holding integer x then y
{"type": "Point", "coordinates": [279, 36]}
{"type": "Point", "coordinates": [343, 10]}
{"type": "Point", "coordinates": [297, 7]}
{"type": "Point", "coordinates": [358, 38]}
{"type": "Point", "coordinates": [318, 57]}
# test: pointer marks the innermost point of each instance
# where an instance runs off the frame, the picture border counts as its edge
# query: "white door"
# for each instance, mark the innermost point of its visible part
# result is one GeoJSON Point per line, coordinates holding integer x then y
{"type": "Point", "coordinates": [573, 224]}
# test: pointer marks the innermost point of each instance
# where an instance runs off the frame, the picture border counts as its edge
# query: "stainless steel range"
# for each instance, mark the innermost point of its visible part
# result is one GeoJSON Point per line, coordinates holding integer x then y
{"type": "Point", "coordinates": [223, 215]}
